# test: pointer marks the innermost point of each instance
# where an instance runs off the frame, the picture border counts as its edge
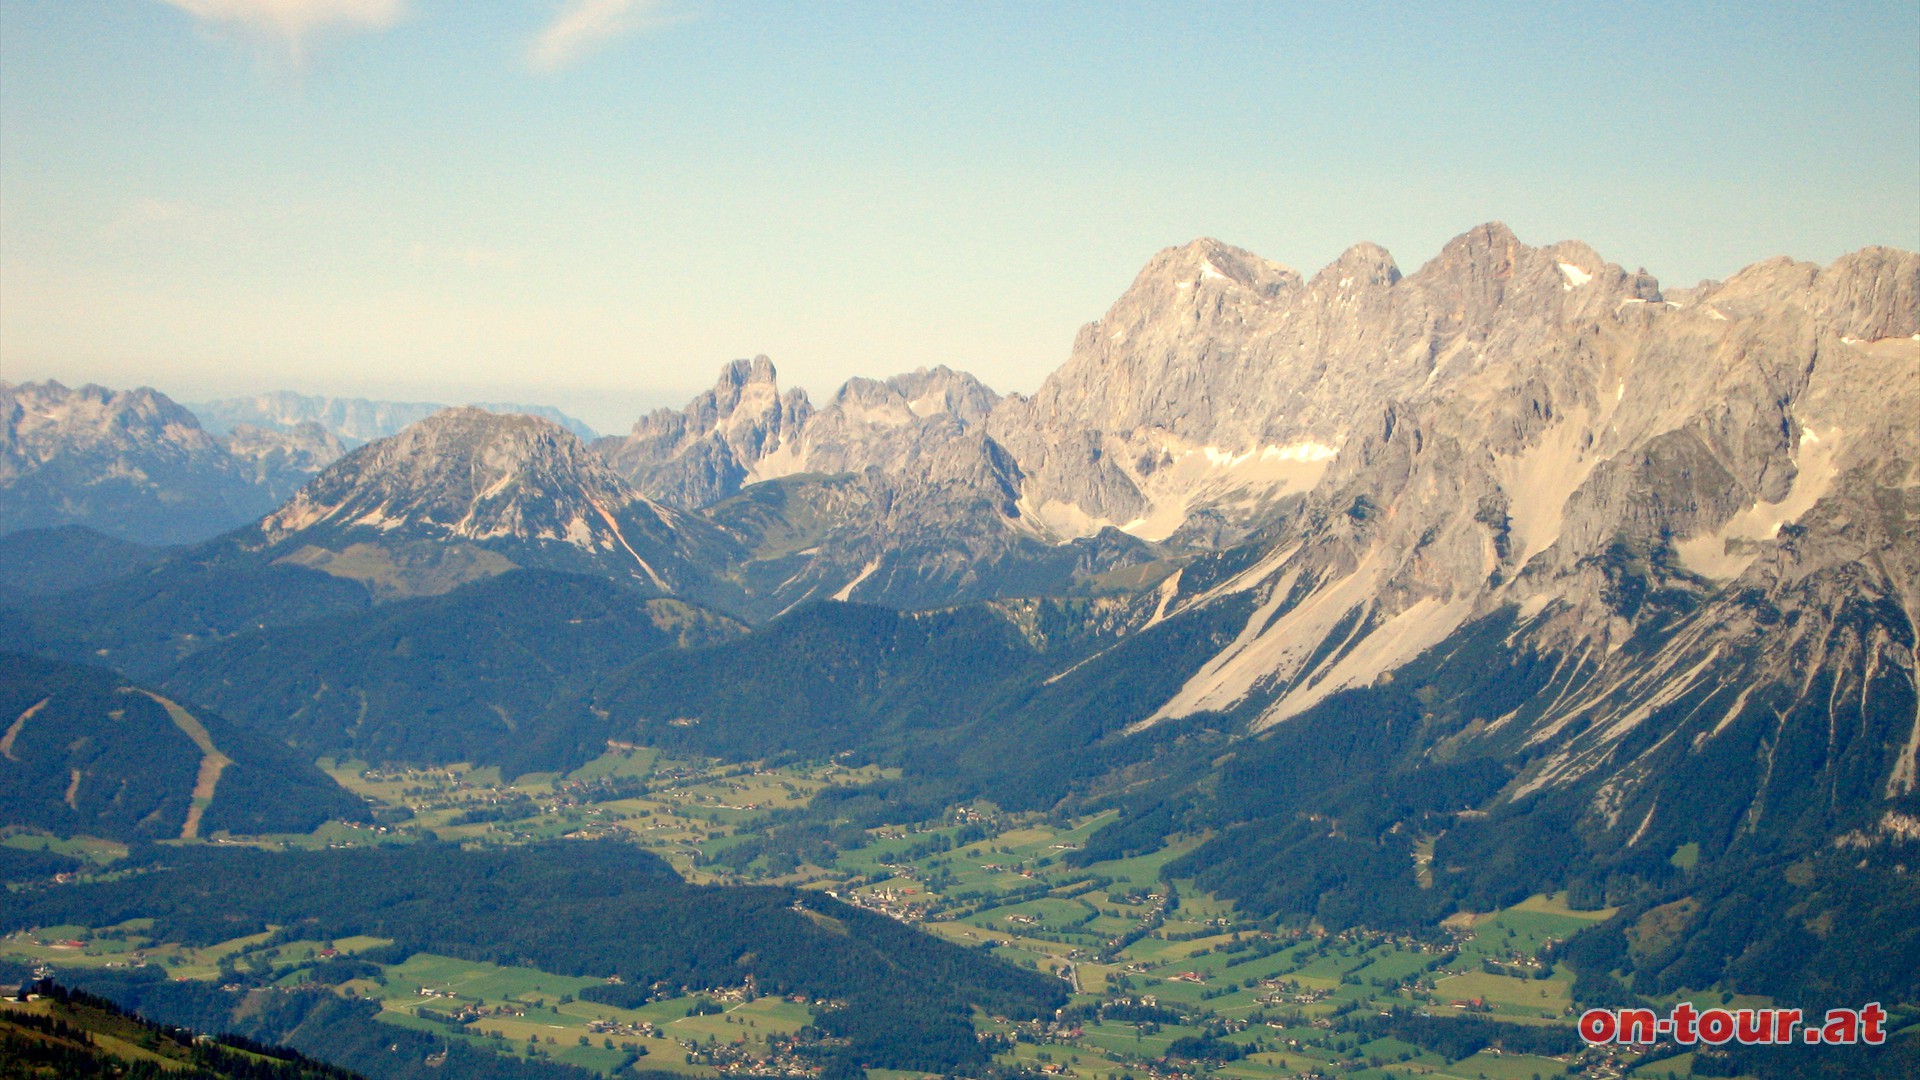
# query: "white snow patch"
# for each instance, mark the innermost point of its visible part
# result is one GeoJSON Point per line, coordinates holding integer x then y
{"type": "Point", "coordinates": [1714, 313]}
{"type": "Point", "coordinates": [1576, 277]}
{"type": "Point", "coordinates": [1208, 270]}
{"type": "Point", "coordinates": [1300, 451]}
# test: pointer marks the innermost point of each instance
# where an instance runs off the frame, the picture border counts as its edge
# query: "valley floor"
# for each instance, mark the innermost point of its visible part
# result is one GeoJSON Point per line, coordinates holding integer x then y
{"type": "Point", "coordinates": [1165, 980]}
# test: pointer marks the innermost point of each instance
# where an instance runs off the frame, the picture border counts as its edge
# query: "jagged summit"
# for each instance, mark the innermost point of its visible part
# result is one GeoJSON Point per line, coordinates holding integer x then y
{"type": "Point", "coordinates": [468, 473]}
{"type": "Point", "coordinates": [741, 372]}
{"type": "Point", "coordinates": [490, 491]}
{"type": "Point", "coordinates": [746, 430]}
{"type": "Point", "coordinates": [1207, 262]}
{"type": "Point", "coordinates": [1366, 264]}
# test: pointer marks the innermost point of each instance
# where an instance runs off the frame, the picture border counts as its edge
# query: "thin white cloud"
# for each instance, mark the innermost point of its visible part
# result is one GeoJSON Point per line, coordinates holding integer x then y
{"type": "Point", "coordinates": [292, 23]}
{"type": "Point", "coordinates": [586, 25]}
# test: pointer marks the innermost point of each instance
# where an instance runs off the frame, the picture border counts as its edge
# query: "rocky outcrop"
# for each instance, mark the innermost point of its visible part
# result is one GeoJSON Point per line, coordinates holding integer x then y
{"type": "Point", "coordinates": [467, 493]}
{"type": "Point", "coordinates": [889, 493]}
{"type": "Point", "coordinates": [1221, 384]}
{"type": "Point", "coordinates": [701, 454]}
{"type": "Point", "coordinates": [745, 430]}
{"type": "Point", "coordinates": [1698, 515]}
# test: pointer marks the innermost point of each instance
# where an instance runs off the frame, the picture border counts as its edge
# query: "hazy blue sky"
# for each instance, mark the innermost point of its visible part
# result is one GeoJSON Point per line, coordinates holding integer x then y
{"type": "Point", "coordinates": [595, 203]}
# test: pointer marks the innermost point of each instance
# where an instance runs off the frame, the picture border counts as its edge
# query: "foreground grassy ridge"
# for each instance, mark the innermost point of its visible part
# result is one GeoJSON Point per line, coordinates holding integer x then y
{"type": "Point", "coordinates": [1281, 999]}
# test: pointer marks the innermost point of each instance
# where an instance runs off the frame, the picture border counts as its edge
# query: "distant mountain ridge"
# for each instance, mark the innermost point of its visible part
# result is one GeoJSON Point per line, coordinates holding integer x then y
{"type": "Point", "coordinates": [1517, 563]}
{"type": "Point", "coordinates": [130, 463]}
{"type": "Point", "coordinates": [138, 466]}
{"type": "Point", "coordinates": [352, 420]}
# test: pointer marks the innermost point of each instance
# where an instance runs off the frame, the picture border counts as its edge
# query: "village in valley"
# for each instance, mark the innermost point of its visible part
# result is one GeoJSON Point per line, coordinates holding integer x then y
{"type": "Point", "coordinates": [1165, 980]}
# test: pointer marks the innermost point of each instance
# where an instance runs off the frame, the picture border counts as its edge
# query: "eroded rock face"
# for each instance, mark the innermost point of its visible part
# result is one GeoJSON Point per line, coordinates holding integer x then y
{"type": "Point", "coordinates": [746, 430]}
{"type": "Point", "coordinates": [1459, 436]}
{"type": "Point", "coordinates": [698, 455]}
{"type": "Point", "coordinates": [1220, 384]}
{"type": "Point", "coordinates": [468, 493]}
{"type": "Point", "coordinates": [891, 492]}
{"type": "Point", "coordinates": [1701, 517]}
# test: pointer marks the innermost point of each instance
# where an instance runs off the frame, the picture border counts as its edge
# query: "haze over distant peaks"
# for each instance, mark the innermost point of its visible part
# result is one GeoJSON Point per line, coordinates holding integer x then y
{"type": "Point", "coordinates": [352, 420]}
{"type": "Point", "coordinates": [1517, 558]}
{"type": "Point", "coordinates": [130, 463]}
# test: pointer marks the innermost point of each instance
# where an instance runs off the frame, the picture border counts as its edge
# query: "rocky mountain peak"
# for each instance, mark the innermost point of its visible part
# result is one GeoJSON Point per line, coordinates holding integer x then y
{"type": "Point", "coordinates": [744, 430]}
{"type": "Point", "coordinates": [1206, 264]}
{"type": "Point", "coordinates": [465, 472]}
{"type": "Point", "coordinates": [352, 420]}
{"type": "Point", "coordinates": [1872, 294]}
{"type": "Point", "coordinates": [282, 460]}
{"type": "Point", "coordinates": [52, 417]}
{"type": "Point", "coordinates": [1365, 264]}
{"type": "Point", "coordinates": [917, 395]}
{"type": "Point", "coordinates": [739, 373]}
{"type": "Point", "coordinates": [132, 463]}
{"type": "Point", "coordinates": [695, 456]}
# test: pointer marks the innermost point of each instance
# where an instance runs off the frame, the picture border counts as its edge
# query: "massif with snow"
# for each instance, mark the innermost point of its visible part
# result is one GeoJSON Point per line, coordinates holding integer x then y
{"type": "Point", "coordinates": [1677, 527]}
{"type": "Point", "coordinates": [1692, 512]}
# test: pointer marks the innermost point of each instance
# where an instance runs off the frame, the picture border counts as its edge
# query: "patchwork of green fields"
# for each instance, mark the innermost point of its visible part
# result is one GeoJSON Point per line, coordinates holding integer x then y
{"type": "Point", "coordinates": [1152, 962]}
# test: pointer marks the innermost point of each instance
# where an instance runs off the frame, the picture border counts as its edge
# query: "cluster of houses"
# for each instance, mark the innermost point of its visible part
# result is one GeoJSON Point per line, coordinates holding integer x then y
{"type": "Point", "coordinates": [1279, 991]}
{"type": "Point", "coordinates": [642, 1030]}
{"type": "Point", "coordinates": [891, 902]}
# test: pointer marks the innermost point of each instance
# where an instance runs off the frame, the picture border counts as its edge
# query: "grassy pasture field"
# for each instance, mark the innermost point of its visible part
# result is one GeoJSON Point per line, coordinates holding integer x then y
{"type": "Point", "coordinates": [978, 877]}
